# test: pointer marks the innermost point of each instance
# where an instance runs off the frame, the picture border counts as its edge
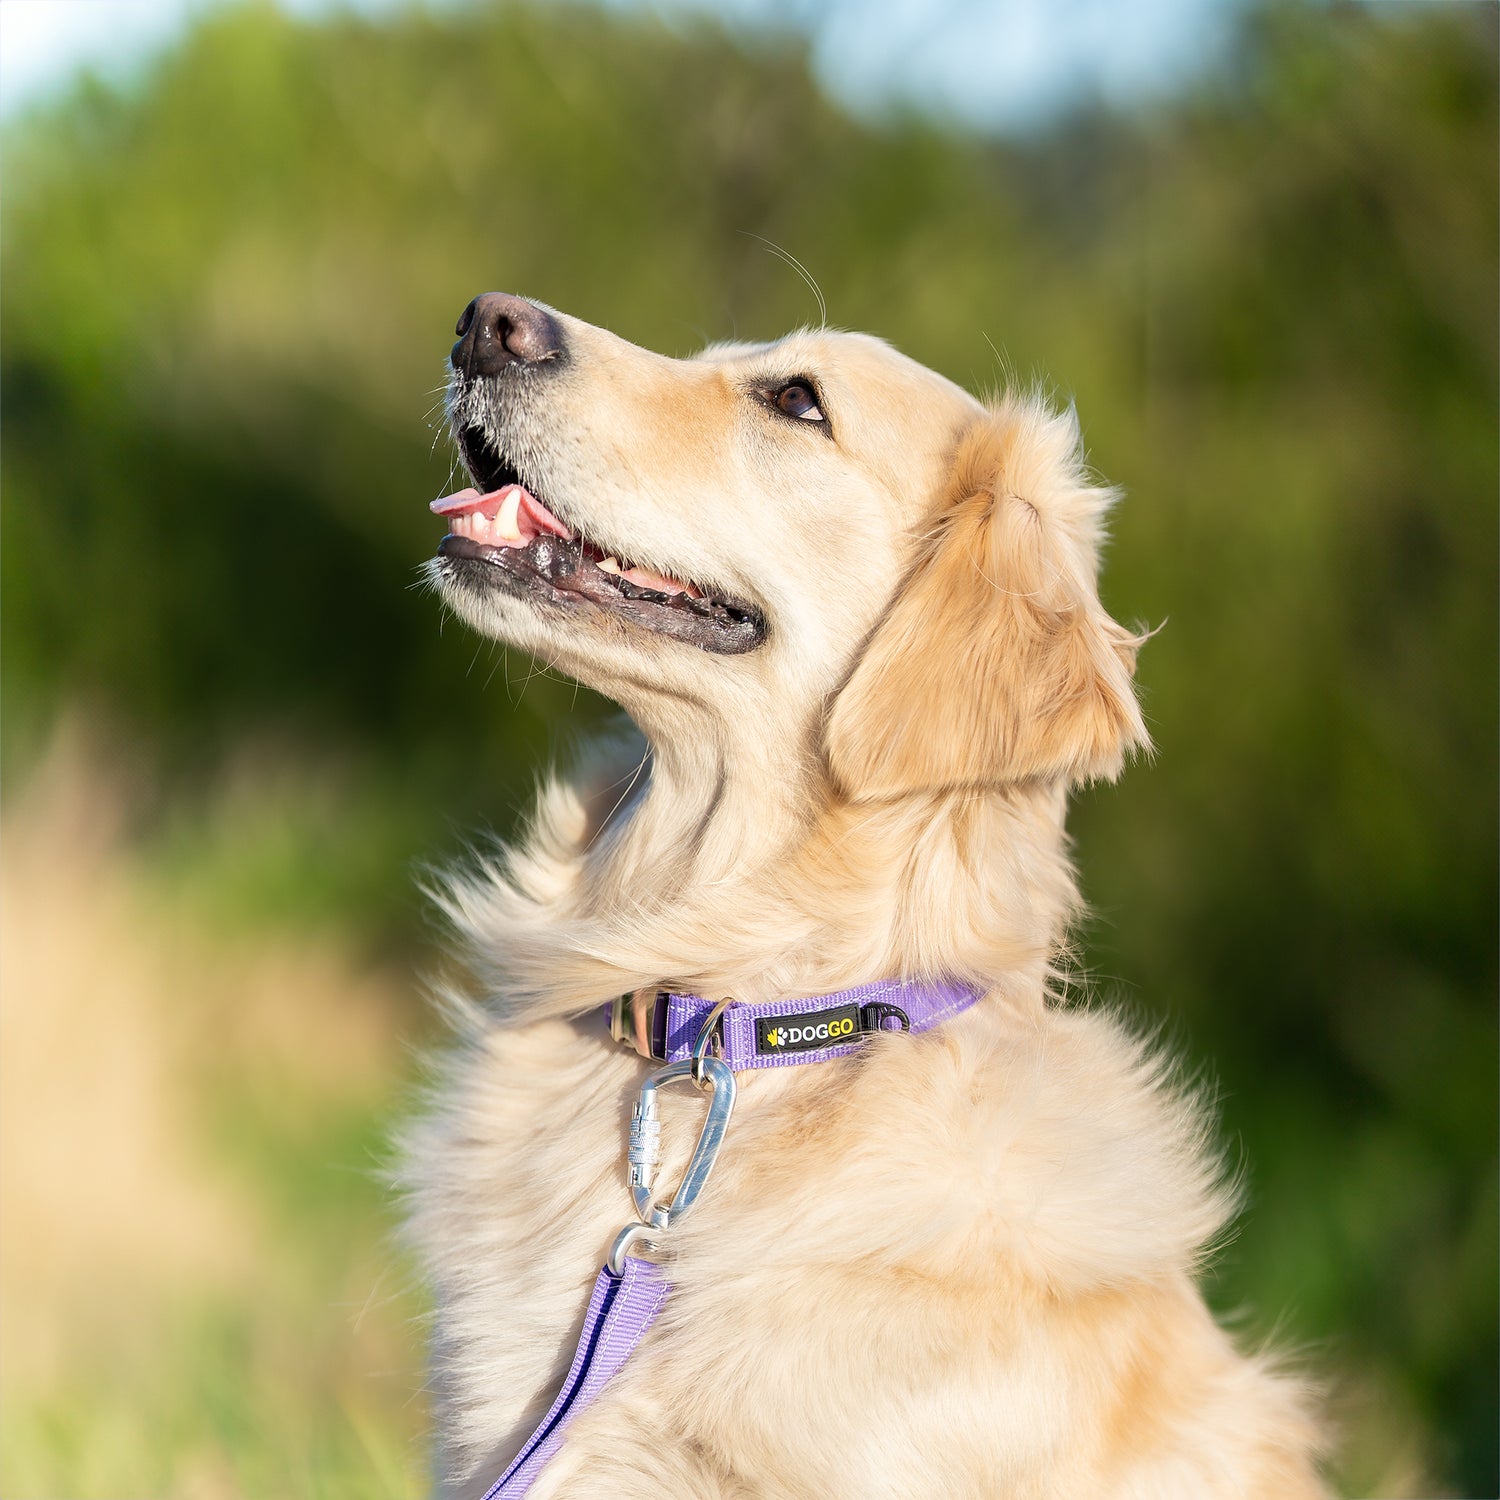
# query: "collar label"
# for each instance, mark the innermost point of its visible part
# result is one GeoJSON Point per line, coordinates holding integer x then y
{"type": "Point", "coordinates": [804, 1033]}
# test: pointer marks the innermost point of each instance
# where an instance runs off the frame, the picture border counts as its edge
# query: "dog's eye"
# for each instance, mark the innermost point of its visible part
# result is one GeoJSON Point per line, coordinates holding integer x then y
{"type": "Point", "coordinates": [798, 399]}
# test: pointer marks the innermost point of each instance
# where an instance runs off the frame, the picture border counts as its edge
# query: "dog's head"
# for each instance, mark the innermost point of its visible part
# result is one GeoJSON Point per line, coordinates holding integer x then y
{"type": "Point", "coordinates": [816, 542]}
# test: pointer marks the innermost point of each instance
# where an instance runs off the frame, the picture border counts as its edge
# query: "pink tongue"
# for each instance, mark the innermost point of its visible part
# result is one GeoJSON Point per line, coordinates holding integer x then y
{"type": "Point", "coordinates": [463, 503]}
{"type": "Point", "coordinates": [646, 579]}
{"type": "Point", "coordinates": [532, 517]}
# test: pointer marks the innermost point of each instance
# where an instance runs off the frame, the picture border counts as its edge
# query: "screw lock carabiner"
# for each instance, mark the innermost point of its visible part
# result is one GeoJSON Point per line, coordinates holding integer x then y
{"type": "Point", "coordinates": [716, 1077]}
{"type": "Point", "coordinates": [645, 1137]}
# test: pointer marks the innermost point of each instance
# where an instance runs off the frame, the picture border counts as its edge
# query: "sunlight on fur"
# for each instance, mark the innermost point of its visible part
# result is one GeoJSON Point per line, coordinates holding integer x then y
{"type": "Point", "coordinates": [959, 1263]}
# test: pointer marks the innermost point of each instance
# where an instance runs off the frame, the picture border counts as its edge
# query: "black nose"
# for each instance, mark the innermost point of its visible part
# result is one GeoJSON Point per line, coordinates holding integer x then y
{"type": "Point", "coordinates": [497, 330]}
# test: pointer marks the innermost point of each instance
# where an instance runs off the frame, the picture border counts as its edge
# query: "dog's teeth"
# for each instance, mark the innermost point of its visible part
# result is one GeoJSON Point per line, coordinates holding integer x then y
{"type": "Point", "coordinates": [608, 565]}
{"type": "Point", "coordinates": [506, 524]}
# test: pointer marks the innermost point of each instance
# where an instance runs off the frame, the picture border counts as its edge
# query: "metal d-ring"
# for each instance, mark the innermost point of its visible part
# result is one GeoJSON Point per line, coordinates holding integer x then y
{"type": "Point", "coordinates": [708, 1037]}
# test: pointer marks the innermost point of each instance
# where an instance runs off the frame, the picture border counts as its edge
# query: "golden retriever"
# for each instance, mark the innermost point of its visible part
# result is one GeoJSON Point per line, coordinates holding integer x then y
{"type": "Point", "coordinates": [852, 614]}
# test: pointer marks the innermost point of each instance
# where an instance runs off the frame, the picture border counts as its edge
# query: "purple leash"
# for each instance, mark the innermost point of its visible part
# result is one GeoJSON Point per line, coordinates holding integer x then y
{"type": "Point", "coordinates": [704, 1042]}
{"type": "Point", "coordinates": [622, 1308]}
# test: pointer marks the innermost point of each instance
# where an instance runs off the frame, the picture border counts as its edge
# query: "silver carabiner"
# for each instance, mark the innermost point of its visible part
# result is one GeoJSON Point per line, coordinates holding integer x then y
{"type": "Point", "coordinates": [645, 1139]}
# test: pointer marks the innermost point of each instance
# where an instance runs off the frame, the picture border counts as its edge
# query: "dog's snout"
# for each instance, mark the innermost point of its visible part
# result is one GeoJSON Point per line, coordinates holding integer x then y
{"type": "Point", "coordinates": [497, 330]}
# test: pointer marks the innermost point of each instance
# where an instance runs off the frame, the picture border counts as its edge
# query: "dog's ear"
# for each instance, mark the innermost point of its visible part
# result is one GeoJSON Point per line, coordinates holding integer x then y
{"type": "Point", "coordinates": [996, 661]}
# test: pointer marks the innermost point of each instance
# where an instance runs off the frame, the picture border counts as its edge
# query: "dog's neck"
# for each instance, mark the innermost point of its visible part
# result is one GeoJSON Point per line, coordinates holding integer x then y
{"type": "Point", "coordinates": [709, 866]}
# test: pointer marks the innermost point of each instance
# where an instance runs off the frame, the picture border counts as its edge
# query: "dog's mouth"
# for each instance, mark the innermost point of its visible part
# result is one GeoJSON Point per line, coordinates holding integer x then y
{"type": "Point", "coordinates": [502, 533]}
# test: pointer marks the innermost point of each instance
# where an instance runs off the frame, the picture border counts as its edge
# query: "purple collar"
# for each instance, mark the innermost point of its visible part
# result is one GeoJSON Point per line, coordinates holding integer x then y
{"type": "Point", "coordinates": [664, 1026]}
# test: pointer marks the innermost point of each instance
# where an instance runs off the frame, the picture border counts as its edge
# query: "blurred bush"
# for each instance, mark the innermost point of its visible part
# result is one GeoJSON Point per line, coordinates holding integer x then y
{"type": "Point", "coordinates": [227, 301]}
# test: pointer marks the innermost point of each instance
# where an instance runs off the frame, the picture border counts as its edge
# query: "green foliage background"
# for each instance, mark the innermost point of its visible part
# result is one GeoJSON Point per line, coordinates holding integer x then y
{"type": "Point", "coordinates": [228, 292]}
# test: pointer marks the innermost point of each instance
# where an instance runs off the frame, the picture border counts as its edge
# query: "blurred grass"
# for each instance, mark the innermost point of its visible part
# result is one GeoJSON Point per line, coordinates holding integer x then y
{"type": "Point", "coordinates": [226, 303]}
{"type": "Point", "coordinates": [201, 1294]}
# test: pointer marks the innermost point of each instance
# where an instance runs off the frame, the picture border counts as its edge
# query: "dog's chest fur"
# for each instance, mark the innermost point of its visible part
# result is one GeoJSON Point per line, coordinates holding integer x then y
{"type": "Point", "coordinates": [913, 1271]}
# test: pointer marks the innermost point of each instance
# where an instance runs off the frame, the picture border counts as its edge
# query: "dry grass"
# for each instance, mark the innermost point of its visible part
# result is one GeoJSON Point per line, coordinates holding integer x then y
{"type": "Point", "coordinates": [199, 1294]}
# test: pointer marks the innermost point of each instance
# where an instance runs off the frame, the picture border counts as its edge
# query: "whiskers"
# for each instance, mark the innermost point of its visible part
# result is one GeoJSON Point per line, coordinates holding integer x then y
{"type": "Point", "coordinates": [799, 268]}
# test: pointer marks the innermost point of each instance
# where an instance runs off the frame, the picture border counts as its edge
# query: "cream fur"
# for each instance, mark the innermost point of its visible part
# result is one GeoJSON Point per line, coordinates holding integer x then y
{"type": "Point", "coordinates": [957, 1264]}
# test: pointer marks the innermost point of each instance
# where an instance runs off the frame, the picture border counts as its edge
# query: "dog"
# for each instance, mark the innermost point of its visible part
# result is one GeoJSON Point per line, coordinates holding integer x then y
{"type": "Point", "coordinates": [851, 612]}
